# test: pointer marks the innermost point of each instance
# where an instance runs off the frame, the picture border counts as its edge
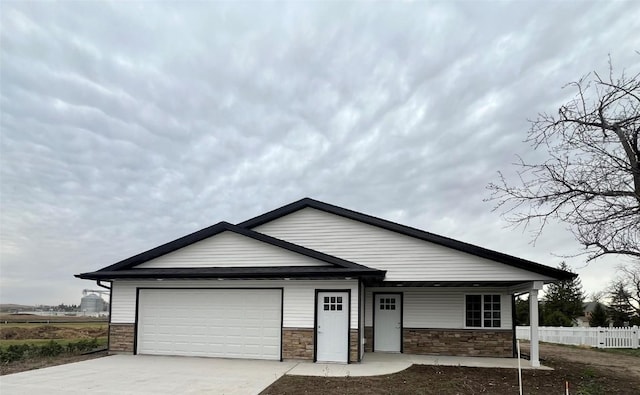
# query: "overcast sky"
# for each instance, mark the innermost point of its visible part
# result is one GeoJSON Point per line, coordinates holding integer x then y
{"type": "Point", "coordinates": [128, 124]}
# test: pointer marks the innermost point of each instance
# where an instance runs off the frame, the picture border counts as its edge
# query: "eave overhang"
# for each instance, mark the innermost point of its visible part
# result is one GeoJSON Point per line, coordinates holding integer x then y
{"type": "Point", "coordinates": [454, 284]}
{"type": "Point", "coordinates": [237, 273]}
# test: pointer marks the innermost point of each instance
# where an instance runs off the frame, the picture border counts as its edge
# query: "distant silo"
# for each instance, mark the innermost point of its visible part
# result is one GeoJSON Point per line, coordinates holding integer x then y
{"type": "Point", "coordinates": [91, 303]}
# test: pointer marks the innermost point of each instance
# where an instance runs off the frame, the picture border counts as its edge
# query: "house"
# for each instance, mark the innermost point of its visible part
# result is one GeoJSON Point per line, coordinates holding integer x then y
{"type": "Point", "coordinates": [588, 308]}
{"type": "Point", "coordinates": [318, 282]}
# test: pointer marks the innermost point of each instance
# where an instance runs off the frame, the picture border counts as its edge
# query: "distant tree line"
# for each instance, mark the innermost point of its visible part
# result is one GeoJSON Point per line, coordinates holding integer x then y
{"type": "Point", "coordinates": [564, 302]}
{"type": "Point", "coordinates": [60, 307]}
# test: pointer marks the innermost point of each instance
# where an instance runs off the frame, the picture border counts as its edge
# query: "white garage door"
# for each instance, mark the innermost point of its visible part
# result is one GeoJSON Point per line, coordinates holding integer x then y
{"type": "Point", "coordinates": [231, 323]}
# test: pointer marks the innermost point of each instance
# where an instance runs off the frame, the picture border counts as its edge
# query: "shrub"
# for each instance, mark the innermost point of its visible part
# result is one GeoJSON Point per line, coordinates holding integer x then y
{"type": "Point", "coordinates": [50, 349]}
{"type": "Point", "coordinates": [16, 352]}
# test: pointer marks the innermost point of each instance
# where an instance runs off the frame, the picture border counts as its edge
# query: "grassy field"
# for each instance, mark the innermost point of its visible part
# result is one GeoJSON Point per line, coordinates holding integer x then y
{"type": "Point", "coordinates": [23, 333]}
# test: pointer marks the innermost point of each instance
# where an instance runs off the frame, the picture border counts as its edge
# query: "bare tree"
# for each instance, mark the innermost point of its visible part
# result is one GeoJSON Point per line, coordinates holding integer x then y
{"type": "Point", "coordinates": [629, 280]}
{"type": "Point", "coordinates": [597, 296]}
{"type": "Point", "coordinates": [591, 179]}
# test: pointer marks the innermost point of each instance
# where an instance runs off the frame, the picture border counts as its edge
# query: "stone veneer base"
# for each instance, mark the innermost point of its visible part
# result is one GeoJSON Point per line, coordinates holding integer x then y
{"type": "Point", "coordinates": [455, 342]}
{"type": "Point", "coordinates": [121, 337]}
{"type": "Point", "coordinates": [297, 343]}
{"type": "Point", "coordinates": [458, 342]}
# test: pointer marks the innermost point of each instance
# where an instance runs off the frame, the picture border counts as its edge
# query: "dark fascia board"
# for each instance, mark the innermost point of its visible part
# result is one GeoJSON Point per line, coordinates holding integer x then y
{"type": "Point", "coordinates": [409, 231]}
{"type": "Point", "coordinates": [237, 273]}
{"type": "Point", "coordinates": [217, 229]}
{"type": "Point", "coordinates": [452, 284]}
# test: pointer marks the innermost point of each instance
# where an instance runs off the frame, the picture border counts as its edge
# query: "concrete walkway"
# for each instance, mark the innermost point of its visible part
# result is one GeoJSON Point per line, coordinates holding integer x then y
{"type": "Point", "coordinates": [374, 364]}
{"type": "Point", "coordinates": [147, 374]}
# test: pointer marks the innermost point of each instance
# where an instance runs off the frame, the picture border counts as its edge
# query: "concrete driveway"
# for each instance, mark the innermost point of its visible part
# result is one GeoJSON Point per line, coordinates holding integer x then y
{"type": "Point", "coordinates": [145, 374]}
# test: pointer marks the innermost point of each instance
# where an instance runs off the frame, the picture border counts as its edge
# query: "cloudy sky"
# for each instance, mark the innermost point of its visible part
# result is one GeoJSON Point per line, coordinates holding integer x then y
{"type": "Point", "coordinates": [128, 124]}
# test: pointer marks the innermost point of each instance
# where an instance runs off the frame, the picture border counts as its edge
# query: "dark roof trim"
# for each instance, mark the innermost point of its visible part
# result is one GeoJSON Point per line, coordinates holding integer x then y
{"type": "Point", "coordinates": [479, 285]}
{"type": "Point", "coordinates": [237, 273]}
{"type": "Point", "coordinates": [217, 229]}
{"type": "Point", "coordinates": [409, 231]}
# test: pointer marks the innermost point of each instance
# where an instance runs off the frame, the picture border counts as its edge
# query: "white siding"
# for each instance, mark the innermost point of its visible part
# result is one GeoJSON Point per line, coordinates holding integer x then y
{"type": "Point", "coordinates": [298, 302]}
{"type": "Point", "coordinates": [228, 249]}
{"type": "Point", "coordinates": [438, 307]}
{"type": "Point", "coordinates": [405, 258]}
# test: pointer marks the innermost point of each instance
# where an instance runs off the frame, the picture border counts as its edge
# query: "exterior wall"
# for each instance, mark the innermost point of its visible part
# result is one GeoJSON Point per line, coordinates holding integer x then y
{"type": "Point", "coordinates": [466, 342]}
{"type": "Point", "coordinates": [297, 343]}
{"type": "Point", "coordinates": [298, 296]}
{"type": "Point", "coordinates": [405, 258]}
{"type": "Point", "coordinates": [298, 310]}
{"type": "Point", "coordinates": [121, 338]}
{"type": "Point", "coordinates": [229, 249]}
{"type": "Point", "coordinates": [368, 336]}
{"type": "Point", "coordinates": [434, 323]}
{"type": "Point", "coordinates": [353, 346]}
{"type": "Point", "coordinates": [469, 342]}
{"type": "Point", "coordinates": [437, 307]}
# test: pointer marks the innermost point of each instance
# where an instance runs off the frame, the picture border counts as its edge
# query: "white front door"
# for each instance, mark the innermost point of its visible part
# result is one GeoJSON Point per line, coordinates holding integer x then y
{"type": "Point", "coordinates": [387, 326]}
{"type": "Point", "coordinates": [332, 327]}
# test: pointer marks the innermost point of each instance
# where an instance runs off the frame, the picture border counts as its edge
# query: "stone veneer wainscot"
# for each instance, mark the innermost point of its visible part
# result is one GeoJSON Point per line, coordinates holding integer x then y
{"type": "Point", "coordinates": [121, 338]}
{"type": "Point", "coordinates": [458, 342]}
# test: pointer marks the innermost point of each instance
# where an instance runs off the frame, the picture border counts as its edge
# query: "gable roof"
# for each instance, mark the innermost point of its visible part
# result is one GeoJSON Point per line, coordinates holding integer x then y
{"type": "Point", "coordinates": [126, 268]}
{"type": "Point", "coordinates": [408, 231]}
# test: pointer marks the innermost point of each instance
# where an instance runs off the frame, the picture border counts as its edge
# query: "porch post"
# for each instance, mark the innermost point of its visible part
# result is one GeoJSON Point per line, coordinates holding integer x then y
{"type": "Point", "coordinates": [533, 321]}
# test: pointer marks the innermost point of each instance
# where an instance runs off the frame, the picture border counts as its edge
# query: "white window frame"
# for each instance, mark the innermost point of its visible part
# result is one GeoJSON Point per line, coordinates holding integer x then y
{"type": "Point", "coordinates": [482, 295]}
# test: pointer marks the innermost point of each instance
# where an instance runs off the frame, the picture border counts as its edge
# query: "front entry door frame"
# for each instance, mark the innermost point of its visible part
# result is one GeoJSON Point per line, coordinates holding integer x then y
{"type": "Point", "coordinates": [345, 293]}
{"type": "Point", "coordinates": [375, 306]}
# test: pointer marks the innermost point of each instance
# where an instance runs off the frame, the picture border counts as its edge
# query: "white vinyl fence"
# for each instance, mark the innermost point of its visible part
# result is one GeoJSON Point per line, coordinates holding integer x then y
{"type": "Point", "coordinates": [579, 336]}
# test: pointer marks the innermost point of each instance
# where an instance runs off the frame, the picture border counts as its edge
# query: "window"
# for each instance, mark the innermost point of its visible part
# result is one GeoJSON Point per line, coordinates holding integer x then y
{"type": "Point", "coordinates": [332, 303]}
{"type": "Point", "coordinates": [387, 303]}
{"type": "Point", "coordinates": [482, 311]}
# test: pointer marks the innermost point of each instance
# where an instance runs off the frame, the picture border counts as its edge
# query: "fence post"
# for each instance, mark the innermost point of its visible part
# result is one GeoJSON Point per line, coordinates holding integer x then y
{"type": "Point", "coordinates": [635, 337]}
{"type": "Point", "coordinates": [600, 338]}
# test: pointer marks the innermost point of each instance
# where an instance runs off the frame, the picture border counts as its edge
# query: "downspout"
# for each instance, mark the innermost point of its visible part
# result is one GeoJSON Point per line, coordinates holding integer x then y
{"type": "Point", "coordinates": [360, 320]}
{"type": "Point", "coordinates": [110, 304]}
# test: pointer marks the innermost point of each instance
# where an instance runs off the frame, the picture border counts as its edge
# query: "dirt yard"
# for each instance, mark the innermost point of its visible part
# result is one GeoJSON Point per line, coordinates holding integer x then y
{"type": "Point", "coordinates": [587, 371]}
{"type": "Point", "coordinates": [31, 364]}
{"type": "Point", "coordinates": [600, 359]}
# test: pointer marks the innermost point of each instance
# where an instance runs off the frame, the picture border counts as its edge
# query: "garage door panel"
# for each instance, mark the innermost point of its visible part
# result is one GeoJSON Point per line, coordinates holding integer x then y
{"type": "Point", "coordinates": [212, 322]}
